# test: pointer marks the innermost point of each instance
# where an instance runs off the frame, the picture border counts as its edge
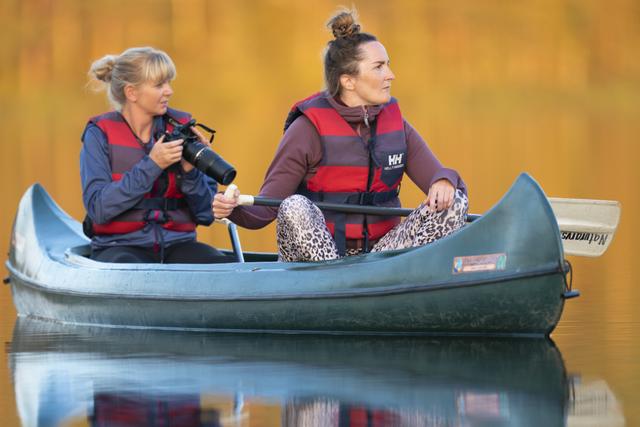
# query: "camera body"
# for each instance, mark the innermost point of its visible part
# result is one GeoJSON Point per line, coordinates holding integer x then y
{"type": "Point", "coordinates": [199, 154]}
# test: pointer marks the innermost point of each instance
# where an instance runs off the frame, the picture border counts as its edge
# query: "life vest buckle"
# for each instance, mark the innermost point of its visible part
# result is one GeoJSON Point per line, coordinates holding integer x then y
{"type": "Point", "coordinates": [156, 216]}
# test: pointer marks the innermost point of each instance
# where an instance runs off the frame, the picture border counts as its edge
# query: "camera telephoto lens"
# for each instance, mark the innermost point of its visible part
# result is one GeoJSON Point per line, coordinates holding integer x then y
{"type": "Point", "coordinates": [199, 154]}
{"type": "Point", "coordinates": [207, 161]}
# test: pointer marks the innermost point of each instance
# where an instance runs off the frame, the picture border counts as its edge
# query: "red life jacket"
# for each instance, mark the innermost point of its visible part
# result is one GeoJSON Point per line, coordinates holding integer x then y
{"type": "Point", "coordinates": [353, 171]}
{"type": "Point", "coordinates": [165, 203]}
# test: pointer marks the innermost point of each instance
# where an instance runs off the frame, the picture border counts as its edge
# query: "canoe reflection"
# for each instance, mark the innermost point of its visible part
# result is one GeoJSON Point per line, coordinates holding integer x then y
{"type": "Point", "coordinates": [119, 377]}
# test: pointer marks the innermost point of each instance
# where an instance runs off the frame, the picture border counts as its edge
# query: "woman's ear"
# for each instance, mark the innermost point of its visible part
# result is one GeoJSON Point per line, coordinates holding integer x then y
{"type": "Point", "coordinates": [131, 93]}
{"type": "Point", "coordinates": [347, 82]}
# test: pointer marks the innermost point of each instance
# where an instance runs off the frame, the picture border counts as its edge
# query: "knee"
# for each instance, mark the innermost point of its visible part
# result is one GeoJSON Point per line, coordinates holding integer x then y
{"type": "Point", "coordinates": [460, 203]}
{"type": "Point", "coordinates": [457, 210]}
{"type": "Point", "coordinates": [295, 201]}
{"type": "Point", "coordinates": [294, 208]}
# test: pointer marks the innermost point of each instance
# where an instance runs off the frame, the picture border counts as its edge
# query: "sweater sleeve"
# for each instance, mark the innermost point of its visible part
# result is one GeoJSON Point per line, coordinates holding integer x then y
{"type": "Point", "coordinates": [103, 198]}
{"type": "Point", "coordinates": [423, 167]}
{"type": "Point", "coordinates": [198, 190]}
{"type": "Point", "coordinates": [296, 158]}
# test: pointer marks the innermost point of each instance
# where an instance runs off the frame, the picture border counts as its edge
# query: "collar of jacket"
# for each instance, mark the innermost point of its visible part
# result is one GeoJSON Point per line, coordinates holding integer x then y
{"type": "Point", "coordinates": [354, 115]}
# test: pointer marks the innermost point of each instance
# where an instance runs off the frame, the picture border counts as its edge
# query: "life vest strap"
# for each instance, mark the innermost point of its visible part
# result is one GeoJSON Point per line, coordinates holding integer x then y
{"type": "Point", "coordinates": [160, 203]}
{"type": "Point", "coordinates": [371, 198]}
{"type": "Point", "coordinates": [340, 233]}
{"type": "Point", "coordinates": [363, 198]}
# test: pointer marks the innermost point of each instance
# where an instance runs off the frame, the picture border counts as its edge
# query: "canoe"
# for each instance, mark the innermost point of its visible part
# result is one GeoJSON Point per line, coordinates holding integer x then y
{"type": "Point", "coordinates": [77, 373]}
{"type": "Point", "coordinates": [503, 274]}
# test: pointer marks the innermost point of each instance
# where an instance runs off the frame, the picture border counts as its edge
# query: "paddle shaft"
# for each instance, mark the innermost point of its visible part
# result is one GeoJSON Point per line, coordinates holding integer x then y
{"type": "Point", "coordinates": [339, 207]}
{"type": "Point", "coordinates": [586, 226]}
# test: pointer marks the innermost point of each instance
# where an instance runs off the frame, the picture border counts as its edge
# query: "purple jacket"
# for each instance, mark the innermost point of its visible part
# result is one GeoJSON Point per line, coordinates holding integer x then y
{"type": "Point", "coordinates": [300, 151]}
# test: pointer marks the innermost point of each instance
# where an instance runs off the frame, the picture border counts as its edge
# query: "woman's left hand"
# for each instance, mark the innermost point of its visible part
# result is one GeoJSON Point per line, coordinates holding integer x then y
{"type": "Point", "coordinates": [441, 195]}
{"type": "Point", "coordinates": [186, 166]}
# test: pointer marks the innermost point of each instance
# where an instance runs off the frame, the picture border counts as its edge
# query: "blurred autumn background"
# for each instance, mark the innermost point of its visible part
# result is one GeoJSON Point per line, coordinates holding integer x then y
{"type": "Point", "coordinates": [496, 87]}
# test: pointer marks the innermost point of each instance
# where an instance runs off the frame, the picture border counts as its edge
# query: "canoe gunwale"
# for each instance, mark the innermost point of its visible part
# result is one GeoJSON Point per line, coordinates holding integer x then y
{"type": "Point", "coordinates": [544, 270]}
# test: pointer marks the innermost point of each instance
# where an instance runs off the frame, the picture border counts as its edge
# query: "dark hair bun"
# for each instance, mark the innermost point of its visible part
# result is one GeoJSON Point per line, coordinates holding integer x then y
{"type": "Point", "coordinates": [344, 25]}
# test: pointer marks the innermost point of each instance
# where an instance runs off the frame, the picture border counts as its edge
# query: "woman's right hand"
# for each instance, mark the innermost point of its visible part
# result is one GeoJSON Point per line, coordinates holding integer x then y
{"type": "Point", "coordinates": [164, 154]}
{"type": "Point", "coordinates": [224, 204]}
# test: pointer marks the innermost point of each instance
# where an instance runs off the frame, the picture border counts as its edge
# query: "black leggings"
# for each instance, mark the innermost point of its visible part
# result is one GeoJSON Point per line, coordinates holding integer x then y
{"type": "Point", "coordinates": [180, 253]}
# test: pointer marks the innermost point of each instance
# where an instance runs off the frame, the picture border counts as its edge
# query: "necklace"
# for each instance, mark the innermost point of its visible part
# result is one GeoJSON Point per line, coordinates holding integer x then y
{"type": "Point", "coordinates": [143, 144]}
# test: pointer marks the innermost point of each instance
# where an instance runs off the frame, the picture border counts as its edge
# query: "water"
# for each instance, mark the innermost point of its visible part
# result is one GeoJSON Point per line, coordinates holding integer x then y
{"type": "Point", "coordinates": [496, 88]}
{"type": "Point", "coordinates": [71, 375]}
{"type": "Point", "coordinates": [64, 373]}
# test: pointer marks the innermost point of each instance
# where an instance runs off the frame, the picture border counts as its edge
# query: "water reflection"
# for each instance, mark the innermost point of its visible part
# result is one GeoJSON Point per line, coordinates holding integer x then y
{"type": "Point", "coordinates": [592, 403]}
{"type": "Point", "coordinates": [99, 377]}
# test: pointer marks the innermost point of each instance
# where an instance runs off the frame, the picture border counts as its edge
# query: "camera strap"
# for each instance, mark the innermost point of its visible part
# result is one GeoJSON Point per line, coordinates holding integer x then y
{"type": "Point", "coordinates": [173, 122]}
{"type": "Point", "coordinates": [170, 120]}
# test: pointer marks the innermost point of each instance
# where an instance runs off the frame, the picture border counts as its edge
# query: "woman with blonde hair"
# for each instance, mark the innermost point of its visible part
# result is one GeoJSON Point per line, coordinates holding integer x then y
{"type": "Point", "coordinates": [143, 199]}
{"type": "Point", "coordinates": [351, 144]}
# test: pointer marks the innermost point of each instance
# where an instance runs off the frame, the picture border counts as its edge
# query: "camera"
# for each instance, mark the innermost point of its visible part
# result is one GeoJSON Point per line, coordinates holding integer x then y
{"type": "Point", "coordinates": [199, 154]}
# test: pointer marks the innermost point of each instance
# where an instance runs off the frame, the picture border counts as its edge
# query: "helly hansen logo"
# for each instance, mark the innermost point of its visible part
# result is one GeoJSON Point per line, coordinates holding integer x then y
{"type": "Point", "coordinates": [395, 159]}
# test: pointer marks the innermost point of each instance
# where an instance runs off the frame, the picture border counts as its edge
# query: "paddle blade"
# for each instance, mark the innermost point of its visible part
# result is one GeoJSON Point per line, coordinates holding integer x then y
{"type": "Point", "coordinates": [587, 226]}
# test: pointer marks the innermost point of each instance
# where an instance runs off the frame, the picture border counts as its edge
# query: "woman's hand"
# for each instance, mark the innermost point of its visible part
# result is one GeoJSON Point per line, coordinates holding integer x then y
{"type": "Point", "coordinates": [186, 166]}
{"type": "Point", "coordinates": [441, 195]}
{"type": "Point", "coordinates": [164, 154]}
{"type": "Point", "coordinates": [223, 204]}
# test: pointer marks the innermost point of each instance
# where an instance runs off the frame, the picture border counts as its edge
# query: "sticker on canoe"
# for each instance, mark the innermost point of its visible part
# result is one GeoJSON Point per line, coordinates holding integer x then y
{"type": "Point", "coordinates": [475, 263]}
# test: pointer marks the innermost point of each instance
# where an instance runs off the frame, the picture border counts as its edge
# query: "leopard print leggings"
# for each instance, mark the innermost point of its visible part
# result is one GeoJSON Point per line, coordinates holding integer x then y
{"type": "Point", "coordinates": [302, 234]}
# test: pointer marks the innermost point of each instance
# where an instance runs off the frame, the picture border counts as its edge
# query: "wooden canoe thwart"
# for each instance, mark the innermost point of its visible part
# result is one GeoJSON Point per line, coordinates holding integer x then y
{"type": "Point", "coordinates": [502, 274]}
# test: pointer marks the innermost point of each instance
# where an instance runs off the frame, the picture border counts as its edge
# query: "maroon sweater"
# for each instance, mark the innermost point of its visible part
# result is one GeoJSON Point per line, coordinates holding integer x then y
{"type": "Point", "coordinates": [299, 153]}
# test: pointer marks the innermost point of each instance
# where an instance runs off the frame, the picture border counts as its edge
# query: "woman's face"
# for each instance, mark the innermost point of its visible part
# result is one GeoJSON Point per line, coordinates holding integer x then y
{"type": "Point", "coordinates": [153, 98]}
{"type": "Point", "coordinates": [372, 84]}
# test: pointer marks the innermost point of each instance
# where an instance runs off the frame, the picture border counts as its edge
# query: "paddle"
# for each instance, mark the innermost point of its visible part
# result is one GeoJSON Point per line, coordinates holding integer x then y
{"type": "Point", "coordinates": [586, 226]}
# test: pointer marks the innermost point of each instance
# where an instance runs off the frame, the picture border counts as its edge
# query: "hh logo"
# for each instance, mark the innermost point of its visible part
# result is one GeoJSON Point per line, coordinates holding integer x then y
{"type": "Point", "coordinates": [395, 159]}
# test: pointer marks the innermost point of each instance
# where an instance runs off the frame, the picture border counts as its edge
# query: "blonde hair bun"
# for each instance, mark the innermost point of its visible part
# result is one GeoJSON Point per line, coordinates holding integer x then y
{"type": "Point", "coordinates": [102, 68]}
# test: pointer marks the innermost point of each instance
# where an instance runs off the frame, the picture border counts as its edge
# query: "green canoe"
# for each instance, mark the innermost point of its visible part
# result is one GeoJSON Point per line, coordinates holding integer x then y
{"type": "Point", "coordinates": [503, 274]}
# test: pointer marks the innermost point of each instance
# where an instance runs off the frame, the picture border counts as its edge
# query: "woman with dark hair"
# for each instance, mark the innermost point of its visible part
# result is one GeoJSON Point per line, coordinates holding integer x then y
{"type": "Point", "coordinates": [350, 144]}
{"type": "Point", "coordinates": [143, 200]}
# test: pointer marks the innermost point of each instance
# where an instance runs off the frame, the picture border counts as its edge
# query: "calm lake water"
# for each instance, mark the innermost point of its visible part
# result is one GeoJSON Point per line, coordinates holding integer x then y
{"type": "Point", "coordinates": [76, 376]}
{"type": "Point", "coordinates": [496, 88]}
